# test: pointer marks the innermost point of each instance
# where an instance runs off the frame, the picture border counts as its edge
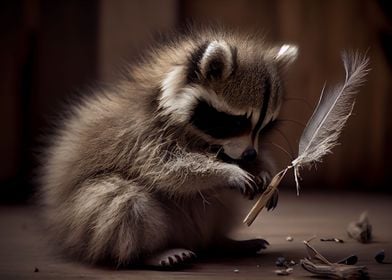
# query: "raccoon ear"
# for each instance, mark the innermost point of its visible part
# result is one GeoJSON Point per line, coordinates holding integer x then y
{"type": "Point", "coordinates": [285, 55]}
{"type": "Point", "coordinates": [217, 61]}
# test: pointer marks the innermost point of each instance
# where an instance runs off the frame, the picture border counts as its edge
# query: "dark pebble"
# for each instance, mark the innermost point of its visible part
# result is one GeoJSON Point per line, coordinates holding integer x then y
{"type": "Point", "coordinates": [380, 256]}
{"type": "Point", "coordinates": [350, 260]}
{"type": "Point", "coordinates": [36, 269]}
{"type": "Point", "coordinates": [281, 261]}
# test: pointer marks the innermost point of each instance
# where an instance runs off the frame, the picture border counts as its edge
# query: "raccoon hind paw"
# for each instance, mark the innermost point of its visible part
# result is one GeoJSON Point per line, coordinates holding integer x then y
{"type": "Point", "coordinates": [171, 258]}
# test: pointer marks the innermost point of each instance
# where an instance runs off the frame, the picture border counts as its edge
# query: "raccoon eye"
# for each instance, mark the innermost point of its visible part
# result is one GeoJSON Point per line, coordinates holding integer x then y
{"type": "Point", "coordinates": [218, 124]}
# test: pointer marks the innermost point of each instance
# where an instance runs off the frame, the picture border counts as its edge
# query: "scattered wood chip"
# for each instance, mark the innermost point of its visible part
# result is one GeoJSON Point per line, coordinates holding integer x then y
{"type": "Point", "coordinates": [236, 270]}
{"type": "Point", "coordinates": [334, 239]}
{"type": "Point", "coordinates": [289, 238]}
{"type": "Point", "coordinates": [284, 272]}
{"type": "Point", "coordinates": [360, 230]}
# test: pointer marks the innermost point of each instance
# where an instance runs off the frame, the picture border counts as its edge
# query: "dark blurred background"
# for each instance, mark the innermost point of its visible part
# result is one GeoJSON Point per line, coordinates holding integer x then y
{"type": "Point", "coordinates": [51, 50]}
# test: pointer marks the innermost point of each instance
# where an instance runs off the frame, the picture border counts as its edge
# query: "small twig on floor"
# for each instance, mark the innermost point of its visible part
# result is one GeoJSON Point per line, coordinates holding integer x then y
{"type": "Point", "coordinates": [317, 264]}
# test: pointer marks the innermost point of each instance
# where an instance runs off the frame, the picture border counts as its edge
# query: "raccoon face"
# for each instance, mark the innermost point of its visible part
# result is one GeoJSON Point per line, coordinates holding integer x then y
{"type": "Point", "coordinates": [226, 94]}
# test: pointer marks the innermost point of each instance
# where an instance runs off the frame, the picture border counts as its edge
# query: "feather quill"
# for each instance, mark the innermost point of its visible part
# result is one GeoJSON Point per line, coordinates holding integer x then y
{"type": "Point", "coordinates": [324, 127]}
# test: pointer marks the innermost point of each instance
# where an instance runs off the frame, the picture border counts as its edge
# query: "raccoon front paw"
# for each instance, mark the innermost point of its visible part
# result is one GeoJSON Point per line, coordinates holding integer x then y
{"type": "Point", "coordinates": [247, 188]}
{"type": "Point", "coordinates": [244, 182]}
{"type": "Point", "coordinates": [259, 184]}
{"type": "Point", "coordinates": [250, 186]}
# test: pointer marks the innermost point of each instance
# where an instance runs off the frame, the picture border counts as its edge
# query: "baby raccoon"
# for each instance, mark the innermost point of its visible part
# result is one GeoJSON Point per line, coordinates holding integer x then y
{"type": "Point", "coordinates": [146, 171]}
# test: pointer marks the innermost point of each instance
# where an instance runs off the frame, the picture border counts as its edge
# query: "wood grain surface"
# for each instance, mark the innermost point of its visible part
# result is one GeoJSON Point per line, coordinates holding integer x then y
{"type": "Point", "coordinates": [24, 246]}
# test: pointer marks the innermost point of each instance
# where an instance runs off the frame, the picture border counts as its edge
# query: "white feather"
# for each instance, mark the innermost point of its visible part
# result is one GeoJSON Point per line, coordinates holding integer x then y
{"type": "Point", "coordinates": [331, 114]}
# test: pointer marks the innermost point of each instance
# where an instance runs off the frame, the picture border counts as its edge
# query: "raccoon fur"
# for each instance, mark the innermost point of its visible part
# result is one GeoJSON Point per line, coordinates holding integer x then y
{"type": "Point", "coordinates": [147, 170]}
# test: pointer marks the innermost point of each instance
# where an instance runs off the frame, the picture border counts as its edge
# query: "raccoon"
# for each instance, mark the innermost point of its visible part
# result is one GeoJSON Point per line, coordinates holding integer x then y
{"type": "Point", "coordinates": [147, 170]}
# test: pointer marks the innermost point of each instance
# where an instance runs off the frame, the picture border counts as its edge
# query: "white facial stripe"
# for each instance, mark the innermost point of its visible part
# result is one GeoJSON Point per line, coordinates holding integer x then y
{"type": "Point", "coordinates": [170, 85]}
{"type": "Point", "coordinates": [218, 103]}
{"type": "Point", "coordinates": [267, 119]}
{"type": "Point", "coordinates": [179, 105]}
{"type": "Point", "coordinates": [255, 117]}
{"type": "Point", "coordinates": [273, 111]}
{"type": "Point", "coordinates": [173, 100]}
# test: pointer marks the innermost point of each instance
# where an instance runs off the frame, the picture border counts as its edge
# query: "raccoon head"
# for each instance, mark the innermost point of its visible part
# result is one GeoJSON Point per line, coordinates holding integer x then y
{"type": "Point", "coordinates": [226, 93]}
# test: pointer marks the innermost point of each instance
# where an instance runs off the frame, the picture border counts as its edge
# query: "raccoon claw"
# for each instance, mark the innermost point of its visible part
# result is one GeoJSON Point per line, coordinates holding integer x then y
{"type": "Point", "coordinates": [259, 185]}
{"type": "Point", "coordinates": [273, 202]}
{"type": "Point", "coordinates": [260, 244]}
{"type": "Point", "coordinates": [250, 190]}
{"type": "Point", "coordinates": [262, 182]}
{"type": "Point", "coordinates": [171, 258]}
{"type": "Point", "coordinates": [246, 183]}
{"type": "Point", "coordinates": [264, 179]}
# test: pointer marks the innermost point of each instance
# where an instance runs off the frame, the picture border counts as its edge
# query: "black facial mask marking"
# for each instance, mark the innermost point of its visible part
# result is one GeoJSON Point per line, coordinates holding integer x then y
{"type": "Point", "coordinates": [217, 124]}
{"type": "Point", "coordinates": [263, 111]}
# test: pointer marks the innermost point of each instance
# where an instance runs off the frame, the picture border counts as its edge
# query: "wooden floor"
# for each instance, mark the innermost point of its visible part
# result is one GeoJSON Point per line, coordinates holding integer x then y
{"type": "Point", "coordinates": [23, 247]}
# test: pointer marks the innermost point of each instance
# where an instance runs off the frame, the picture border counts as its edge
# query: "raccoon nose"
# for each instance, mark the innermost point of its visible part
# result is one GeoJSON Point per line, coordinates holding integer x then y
{"type": "Point", "coordinates": [249, 155]}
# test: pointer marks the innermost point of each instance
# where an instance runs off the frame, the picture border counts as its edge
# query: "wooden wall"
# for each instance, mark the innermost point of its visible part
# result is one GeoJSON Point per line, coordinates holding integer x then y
{"type": "Point", "coordinates": [49, 49]}
{"type": "Point", "coordinates": [127, 27]}
{"type": "Point", "coordinates": [52, 49]}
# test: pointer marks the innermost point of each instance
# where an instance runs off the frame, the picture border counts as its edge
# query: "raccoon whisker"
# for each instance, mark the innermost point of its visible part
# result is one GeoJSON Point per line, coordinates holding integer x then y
{"type": "Point", "coordinates": [205, 201]}
{"type": "Point", "coordinates": [218, 199]}
{"type": "Point", "coordinates": [299, 99]}
{"type": "Point", "coordinates": [219, 150]}
{"type": "Point", "coordinates": [287, 141]}
{"type": "Point", "coordinates": [280, 148]}
{"type": "Point", "coordinates": [294, 121]}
